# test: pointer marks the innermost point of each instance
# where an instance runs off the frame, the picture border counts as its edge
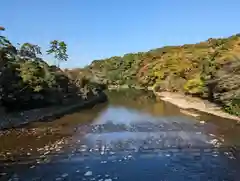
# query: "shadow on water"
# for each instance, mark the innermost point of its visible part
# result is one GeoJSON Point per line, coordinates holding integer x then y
{"type": "Point", "coordinates": [133, 137]}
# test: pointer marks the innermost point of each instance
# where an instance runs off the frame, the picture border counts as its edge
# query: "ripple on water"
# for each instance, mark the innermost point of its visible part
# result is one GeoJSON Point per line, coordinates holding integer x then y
{"type": "Point", "coordinates": [122, 140]}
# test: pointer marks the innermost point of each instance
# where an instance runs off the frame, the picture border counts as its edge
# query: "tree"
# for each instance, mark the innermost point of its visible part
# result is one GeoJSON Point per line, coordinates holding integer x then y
{"type": "Point", "coordinates": [59, 49]}
{"type": "Point", "coordinates": [28, 50]}
{"type": "Point", "coordinates": [7, 50]}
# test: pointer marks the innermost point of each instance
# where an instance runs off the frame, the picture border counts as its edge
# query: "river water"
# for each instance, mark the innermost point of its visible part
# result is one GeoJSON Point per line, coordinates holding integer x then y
{"type": "Point", "coordinates": [132, 137]}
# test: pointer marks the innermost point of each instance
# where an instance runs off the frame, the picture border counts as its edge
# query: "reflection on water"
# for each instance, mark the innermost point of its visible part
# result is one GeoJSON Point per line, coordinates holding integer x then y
{"type": "Point", "coordinates": [133, 137]}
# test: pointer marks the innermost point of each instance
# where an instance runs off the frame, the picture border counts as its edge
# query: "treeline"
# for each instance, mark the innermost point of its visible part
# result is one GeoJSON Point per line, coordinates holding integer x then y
{"type": "Point", "coordinates": [209, 69]}
{"type": "Point", "coordinates": [27, 81]}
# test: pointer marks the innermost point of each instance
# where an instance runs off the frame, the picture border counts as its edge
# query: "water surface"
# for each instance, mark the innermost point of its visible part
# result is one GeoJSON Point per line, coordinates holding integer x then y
{"type": "Point", "coordinates": [133, 137]}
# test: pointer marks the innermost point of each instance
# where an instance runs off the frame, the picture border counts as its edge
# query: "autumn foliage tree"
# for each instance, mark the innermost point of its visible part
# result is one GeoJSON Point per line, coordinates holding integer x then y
{"type": "Point", "coordinates": [209, 69]}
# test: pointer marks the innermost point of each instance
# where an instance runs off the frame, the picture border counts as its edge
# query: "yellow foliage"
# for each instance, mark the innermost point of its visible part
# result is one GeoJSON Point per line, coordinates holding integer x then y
{"type": "Point", "coordinates": [194, 86]}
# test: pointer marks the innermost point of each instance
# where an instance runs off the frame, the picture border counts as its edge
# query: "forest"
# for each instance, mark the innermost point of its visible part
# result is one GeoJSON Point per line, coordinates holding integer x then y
{"type": "Point", "coordinates": [27, 81]}
{"type": "Point", "coordinates": [209, 70]}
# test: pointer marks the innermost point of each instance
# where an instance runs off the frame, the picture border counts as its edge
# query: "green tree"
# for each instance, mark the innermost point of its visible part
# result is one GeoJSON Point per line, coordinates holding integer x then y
{"type": "Point", "coordinates": [59, 49]}
{"type": "Point", "coordinates": [7, 50]}
{"type": "Point", "coordinates": [28, 50]}
{"type": "Point", "coordinates": [32, 75]}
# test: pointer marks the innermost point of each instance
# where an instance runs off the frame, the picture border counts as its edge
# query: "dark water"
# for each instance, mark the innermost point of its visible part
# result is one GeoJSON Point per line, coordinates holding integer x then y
{"type": "Point", "coordinates": [133, 137]}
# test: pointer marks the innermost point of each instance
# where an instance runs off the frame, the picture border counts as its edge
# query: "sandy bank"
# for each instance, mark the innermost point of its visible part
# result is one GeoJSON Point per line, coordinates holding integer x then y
{"type": "Point", "coordinates": [187, 102]}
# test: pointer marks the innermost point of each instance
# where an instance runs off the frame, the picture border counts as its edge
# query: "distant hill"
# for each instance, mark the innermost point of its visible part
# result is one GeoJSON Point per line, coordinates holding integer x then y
{"type": "Point", "coordinates": [209, 69]}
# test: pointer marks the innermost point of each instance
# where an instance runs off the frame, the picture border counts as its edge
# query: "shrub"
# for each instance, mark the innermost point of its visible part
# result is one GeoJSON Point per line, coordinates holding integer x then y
{"type": "Point", "coordinates": [234, 107]}
{"type": "Point", "coordinates": [194, 86]}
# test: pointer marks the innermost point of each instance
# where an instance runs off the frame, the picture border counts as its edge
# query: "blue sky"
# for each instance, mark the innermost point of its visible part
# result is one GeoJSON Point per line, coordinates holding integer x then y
{"type": "Point", "coordinates": [95, 29]}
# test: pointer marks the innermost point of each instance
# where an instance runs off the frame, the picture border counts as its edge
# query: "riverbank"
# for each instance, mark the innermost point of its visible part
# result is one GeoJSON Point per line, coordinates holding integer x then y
{"type": "Point", "coordinates": [187, 102]}
{"type": "Point", "coordinates": [19, 119]}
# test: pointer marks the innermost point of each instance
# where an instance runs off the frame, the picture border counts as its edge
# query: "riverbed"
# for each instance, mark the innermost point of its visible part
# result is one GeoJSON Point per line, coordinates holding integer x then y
{"type": "Point", "coordinates": [132, 137]}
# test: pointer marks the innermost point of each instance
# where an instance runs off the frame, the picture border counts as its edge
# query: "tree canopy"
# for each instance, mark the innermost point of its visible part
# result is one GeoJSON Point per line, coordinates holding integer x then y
{"type": "Point", "coordinates": [59, 49]}
{"type": "Point", "coordinates": [204, 69]}
{"type": "Point", "coordinates": [27, 81]}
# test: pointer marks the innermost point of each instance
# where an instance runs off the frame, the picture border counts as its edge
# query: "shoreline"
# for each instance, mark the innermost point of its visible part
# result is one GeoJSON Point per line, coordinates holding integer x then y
{"type": "Point", "coordinates": [23, 118]}
{"type": "Point", "coordinates": [186, 102]}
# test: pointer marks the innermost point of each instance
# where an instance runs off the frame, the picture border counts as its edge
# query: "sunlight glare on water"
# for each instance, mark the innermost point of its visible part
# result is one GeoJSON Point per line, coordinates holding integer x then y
{"type": "Point", "coordinates": [126, 139]}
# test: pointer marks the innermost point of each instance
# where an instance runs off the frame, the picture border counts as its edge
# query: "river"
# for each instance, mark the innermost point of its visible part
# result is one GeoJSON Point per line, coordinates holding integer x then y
{"type": "Point", "coordinates": [132, 137]}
